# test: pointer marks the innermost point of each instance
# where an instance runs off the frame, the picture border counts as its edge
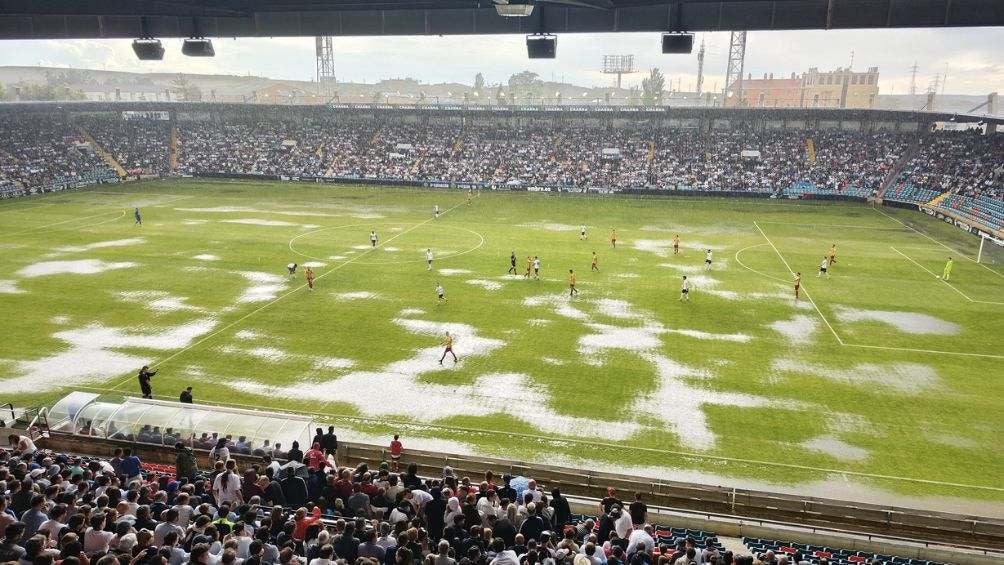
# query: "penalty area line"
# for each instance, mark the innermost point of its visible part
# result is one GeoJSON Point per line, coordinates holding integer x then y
{"type": "Point", "coordinates": [931, 351]}
{"type": "Point", "coordinates": [948, 284]}
{"type": "Point", "coordinates": [851, 226]}
{"type": "Point", "coordinates": [956, 251]}
{"type": "Point", "coordinates": [804, 288]}
{"type": "Point", "coordinates": [279, 298]}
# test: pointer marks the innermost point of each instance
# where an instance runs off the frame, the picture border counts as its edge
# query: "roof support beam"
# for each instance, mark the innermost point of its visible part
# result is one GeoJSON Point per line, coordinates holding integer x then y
{"type": "Point", "coordinates": [54, 19]}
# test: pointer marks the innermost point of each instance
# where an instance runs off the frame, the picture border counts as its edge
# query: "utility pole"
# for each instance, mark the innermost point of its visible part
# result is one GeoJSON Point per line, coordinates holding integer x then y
{"type": "Point", "coordinates": [913, 78]}
{"type": "Point", "coordinates": [700, 68]}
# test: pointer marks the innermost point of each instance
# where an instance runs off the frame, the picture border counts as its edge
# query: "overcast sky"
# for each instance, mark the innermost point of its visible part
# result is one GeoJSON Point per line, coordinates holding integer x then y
{"type": "Point", "coordinates": [973, 57]}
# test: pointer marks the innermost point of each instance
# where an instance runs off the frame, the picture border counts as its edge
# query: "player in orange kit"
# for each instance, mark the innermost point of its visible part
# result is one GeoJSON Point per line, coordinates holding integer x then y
{"type": "Point", "coordinates": [309, 273]}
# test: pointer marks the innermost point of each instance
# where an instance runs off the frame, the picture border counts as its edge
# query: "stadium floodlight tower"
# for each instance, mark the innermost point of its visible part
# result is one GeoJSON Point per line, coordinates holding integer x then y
{"type": "Point", "coordinates": [619, 65]}
{"type": "Point", "coordinates": [325, 52]}
{"type": "Point", "coordinates": [734, 71]}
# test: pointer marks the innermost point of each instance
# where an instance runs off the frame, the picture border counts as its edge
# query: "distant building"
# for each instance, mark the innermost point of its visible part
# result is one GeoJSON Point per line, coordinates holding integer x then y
{"type": "Point", "coordinates": [770, 92]}
{"type": "Point", "coordinates": [842, 88]}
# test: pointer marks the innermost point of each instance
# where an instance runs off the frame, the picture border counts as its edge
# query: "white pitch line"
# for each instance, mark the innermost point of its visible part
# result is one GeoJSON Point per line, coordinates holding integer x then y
{"type": "Point", "coordinates": [804, 288]}
{"type": "Point", "coordinates": [747, 267]}
{"type": "Point", "coordinates": [956, 251]}
{"type": "Point", "coordinates": [950, 285]}
{"type": "Point", "coordinates": [932, 351]}
{"type": "Point", "coordinates": [291, 292]}
{"type": "Point", "coordinates": [42, 229]}
{"type": "Point", "coordinates": [852, 226]}
{"type": "Point", "coordinates": [480, 244]}
{"type": "Point", "coordinates": [841, 341]}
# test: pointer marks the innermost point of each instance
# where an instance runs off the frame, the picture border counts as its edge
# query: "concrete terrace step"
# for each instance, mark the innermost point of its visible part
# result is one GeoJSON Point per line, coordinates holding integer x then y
{"type": "Point", "coordinates": [107, 157]}
{"type": "Point", "coordinates": [937, 200]}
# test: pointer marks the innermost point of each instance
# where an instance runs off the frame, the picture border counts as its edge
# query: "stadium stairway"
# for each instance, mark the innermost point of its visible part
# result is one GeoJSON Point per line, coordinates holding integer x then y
{"type": "Point", "coordinates": [458, 146]}
{"type": "Point", "coordinates": [650, 157]}
{"type": "Point", "coordinates": [107, 157]}
{"type": "Point", "coordinates": [937, 200]}
{"type": "Point", "coordinates": [810, 150]}
{"type": "Point", "coordinates": [897, 168]}
{"type": "Point", "coordinates": [174, 145]}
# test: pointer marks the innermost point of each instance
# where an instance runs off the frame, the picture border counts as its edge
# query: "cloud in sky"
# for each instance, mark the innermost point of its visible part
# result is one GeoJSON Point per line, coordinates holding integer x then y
{"type": "Point", "coordinates": [971, 57]}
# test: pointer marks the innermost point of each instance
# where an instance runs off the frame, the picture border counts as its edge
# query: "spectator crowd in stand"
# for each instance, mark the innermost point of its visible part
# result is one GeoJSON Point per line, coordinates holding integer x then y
{"type": "Point", "coordinates": [965, 163]}
{"type": "Point", "coordinates": [140, 146]}
{"type": "Point", "coordinates": [38, 152]}
{"type": "Point", "coordinates": [49, 151]}
{"type": "Point", "coordinates": [70, 510]}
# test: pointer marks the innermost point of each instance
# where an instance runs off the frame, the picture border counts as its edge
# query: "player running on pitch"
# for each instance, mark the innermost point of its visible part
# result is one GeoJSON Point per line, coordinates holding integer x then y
{"type": "Point", "coordinates": [470, 195]}
{"type": "Point", "coordinates": [309, 273]}
{"type": "Point", "coordinates": [571, 283]}
{"type": "Point", "coordinates": [595, 266]}
{"type": "Point", "coordinates": [139, 218]}
{"type": "Point", "coordinates": [373, 238]}
{"type": "Point", "coordinates": [824, 267]}
{"type": "Point", "coordinates": [428, 259]}
{"type": "Point", "coordinates": [685, 289]}
{"type": "Point", "coordinates": [440, 293]}
{"type": "Point", "coordinates": [798, 284]}
{"type": "Point", "coordinates": [613, 237]}
{"type": "Point", "coordinates": [946, 273]}
{"type": "Point", "coordinates": [512, 264]}
{"type": "Point", "coordinates": [707, 260]}
{"type": "Point", "coordinates": [448, 348]}
{"type": "Point", "coordinates": [435, 211]}
{"type": "Point", "coordinates": [291, 269]}
{"type": "Point", "coordinates": [832, 254]}
{"type": "Point", "coordinates": [676, 244]}
{"type": "Point", "coordinates": [529, 267]}
{"type": "Point", "coordinates": [582, 233]}
{"type": "Point", "coordinates": [536, 267]}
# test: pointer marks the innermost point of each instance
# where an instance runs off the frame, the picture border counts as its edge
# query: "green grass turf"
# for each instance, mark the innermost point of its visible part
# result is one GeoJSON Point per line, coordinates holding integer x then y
{"type": "Point", "coordinates": [945, 432]}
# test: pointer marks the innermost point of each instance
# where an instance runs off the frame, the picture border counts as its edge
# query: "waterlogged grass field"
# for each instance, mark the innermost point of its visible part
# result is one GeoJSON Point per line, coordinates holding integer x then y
{"type": "Point", "coordinates": [881, 381]}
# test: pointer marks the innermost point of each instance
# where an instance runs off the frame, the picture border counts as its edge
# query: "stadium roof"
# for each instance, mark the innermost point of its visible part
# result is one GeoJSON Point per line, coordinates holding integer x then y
{"type": "Point", "coordinates": [48, 19]}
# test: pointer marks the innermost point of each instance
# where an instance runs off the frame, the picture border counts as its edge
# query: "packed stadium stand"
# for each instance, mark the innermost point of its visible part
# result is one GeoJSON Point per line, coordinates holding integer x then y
{"type": "Point", "coordinates": [300, 507]}
{"type": "Point", "coordinates": [955, 173]}
{"type": "Point", "coordinates": [132, 494]}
